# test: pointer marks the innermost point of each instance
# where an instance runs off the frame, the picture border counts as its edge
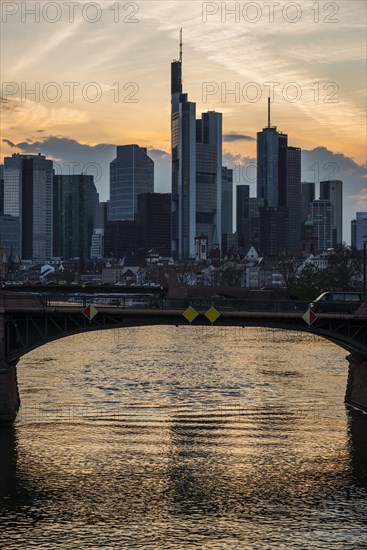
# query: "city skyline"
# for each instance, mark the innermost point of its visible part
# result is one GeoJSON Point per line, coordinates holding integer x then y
{"type": "Point", "coordinates": [331, 135]}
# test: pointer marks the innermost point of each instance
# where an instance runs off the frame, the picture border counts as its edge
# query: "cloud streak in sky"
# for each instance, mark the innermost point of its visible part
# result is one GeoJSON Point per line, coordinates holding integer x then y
{"type": "Point", "coordinates": [232, 136]}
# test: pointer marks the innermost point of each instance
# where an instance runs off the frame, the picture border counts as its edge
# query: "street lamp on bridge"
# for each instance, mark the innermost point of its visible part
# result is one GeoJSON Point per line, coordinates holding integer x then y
{"type": "Point", "coordinates": [364, 264]}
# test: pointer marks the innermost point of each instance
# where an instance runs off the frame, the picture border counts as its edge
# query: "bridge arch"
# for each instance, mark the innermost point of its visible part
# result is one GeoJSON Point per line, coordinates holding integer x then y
{"type": "Point", "coordinates": [25, 330]}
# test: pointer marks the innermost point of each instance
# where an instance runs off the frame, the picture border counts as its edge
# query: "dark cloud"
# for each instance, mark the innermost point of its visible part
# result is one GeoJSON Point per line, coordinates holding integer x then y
{"type": "Point", "coordinates": [9, 142]}
{"type": "Point", "coordinates": [232, 136]}
{"type": "Point", "coordinates": [321, 164]}
{"type": "Point", "coordinates": [159, 153]}
{"type": "Point", "coordinates": [71, 156]}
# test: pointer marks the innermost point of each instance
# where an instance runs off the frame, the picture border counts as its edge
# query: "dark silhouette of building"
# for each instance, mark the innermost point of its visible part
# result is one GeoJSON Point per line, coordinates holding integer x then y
{"type": "Point", "coordinates": [131, 173]}
{"type": "Point", "coordinates": [154, 222]}
{"type": "Point", "coordinates": [332, 191]}
{"type": "Point", "coordinates": [100, 215]}
{"type": "Point", "coordinates": [307, 197]}
{"type": "Point", "coordinates": [196, 147]}
{"type": "Point", "coordinates": [279, 185]}
{"type": "Point", "coordinates": [273, 230]}
{"type": "Point", "coordinates": [322, 218]}
{"type": "Point", "coordinates": [120, 239]}
{"type": "Point", "coordinates": [74, 206]}
{"type": "Point", "coordinates": [28, 195]}
{"type": "Point", "coordinates": [10, 234]}
{"type": "Point", "coordinates": [293, 199]}
{"type": "Point", "coordinates": [255, 205]}
{"type": "Point", "coordinates": [359, 230]}
{"type": "Point", "coordinates": [308, 241]}
{"type": "Point", "coordinates": [227, 201]}
{"type": "Point", "coordinates": [243, 215]}
{"type": "Point", "coordinates": [1, 189]}
{"type": "Point", "coordinates": [272, 165]}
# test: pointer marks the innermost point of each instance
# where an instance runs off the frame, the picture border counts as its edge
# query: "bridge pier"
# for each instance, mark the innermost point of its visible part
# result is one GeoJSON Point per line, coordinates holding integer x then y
{"type": "Point", "coordinates": [356, 394]}
{"type": "Point", "coordinates": [9, 394]}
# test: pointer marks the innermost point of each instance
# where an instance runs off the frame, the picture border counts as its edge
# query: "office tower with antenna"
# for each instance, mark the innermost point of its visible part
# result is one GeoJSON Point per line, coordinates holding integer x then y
{"type": "Point", "coordinates": [196, 147]}
{"type": "Point", "coordinates": [279, 185]}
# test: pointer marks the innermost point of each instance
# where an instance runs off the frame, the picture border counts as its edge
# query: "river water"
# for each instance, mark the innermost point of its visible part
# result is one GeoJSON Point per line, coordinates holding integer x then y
{"type": "Point", "coordinates": [189, 437]}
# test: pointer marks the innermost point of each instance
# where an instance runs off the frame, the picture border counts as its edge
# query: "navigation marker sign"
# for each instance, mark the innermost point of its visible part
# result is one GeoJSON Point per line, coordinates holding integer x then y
{"type": "Point", "coordinates": [212, 314]}
{"type": "Point", "coordinates": [90, 311]}
{"type": "Point", "coordinates": [310, 317]}
{"type": "Point", "coordinates": [190, 314]}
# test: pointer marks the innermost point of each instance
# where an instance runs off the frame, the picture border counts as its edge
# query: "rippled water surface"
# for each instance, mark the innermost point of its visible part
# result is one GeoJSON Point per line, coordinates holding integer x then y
{"type": "Point", "coordinates": [165, 437]}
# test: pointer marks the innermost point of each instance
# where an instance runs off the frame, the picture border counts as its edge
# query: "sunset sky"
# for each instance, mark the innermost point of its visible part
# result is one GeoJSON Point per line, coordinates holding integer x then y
{"type": "Point", "coordinates": [303, 57]}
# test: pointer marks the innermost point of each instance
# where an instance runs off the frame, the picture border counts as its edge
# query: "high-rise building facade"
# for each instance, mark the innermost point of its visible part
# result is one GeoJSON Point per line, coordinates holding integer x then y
{"type": "Point", "coordinates": [332, 191]}
{"type": "Point", "coordinates": [131, 173]}
{"type": "Point", "coordinates": [196, 147]}
{"type": "Point", "coordinates": [293, 199]}
{"type": "Point", "coordinates": [322, 218]}
{"type": "Point", "coordinates": [97, 246]}
{"type": "Point", "coordinates": [279, 185]}
{"type": "Point", "coordinates": [272, 165]}
{"type": "Point", "coordinates": [74, 205]}
{"type": "Point", "coordinates": [271, 187]}
{"type": "Point", "coordinates": [120, 239]}
{"type": "Point", "coordinates": [359, 230]}
{"type": "Point", "coordinates": [12, 174]}
{"type": "Point", "coordinates": [1, 189]}
{"type": "Point", "coordinates": [209, 176]}
{"type": "Point", "coordinates": [10, 234]}
{"type": "Point", "coordinates": [307, 197]}
{"type": "Point", "coordinates": [243, 215]}
{"type": "Point", "coordinates": [28, 183]}
{"type": "Point", "coordinates": [255, 206]}
{"type": "Point", "coordinates": [273, 222]}
{"type": "Point", "coordinates": [227, 200]}
{"type": "Point", "coordinates": [101, 215]}
{"type": "Point", "coordinates": [154, 222]}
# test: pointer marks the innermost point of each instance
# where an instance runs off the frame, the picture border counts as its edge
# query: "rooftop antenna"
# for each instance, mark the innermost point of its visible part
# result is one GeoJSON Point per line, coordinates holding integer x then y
{"type": "Point", "coordinates": [181, 45]}
{"type": "Point", "coordinates": [268, 112]}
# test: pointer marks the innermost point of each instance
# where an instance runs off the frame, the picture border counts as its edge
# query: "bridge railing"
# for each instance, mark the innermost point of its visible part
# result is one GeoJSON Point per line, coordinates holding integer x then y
{"type": "Point", "coordinates": [156, 302]}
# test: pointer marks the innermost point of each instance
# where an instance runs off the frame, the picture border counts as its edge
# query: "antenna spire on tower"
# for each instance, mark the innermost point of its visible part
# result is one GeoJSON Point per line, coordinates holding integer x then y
{"type": "Point", "coordinates": [268, 112]}
{"type": "Point", "coordinates": [181, 45]}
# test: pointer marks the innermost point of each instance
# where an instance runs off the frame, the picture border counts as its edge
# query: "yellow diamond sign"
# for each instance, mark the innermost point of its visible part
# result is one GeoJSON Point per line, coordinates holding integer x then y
{"type": "Point", "coordinates": [212, 314]}
{"type": "Point", "coordinates": [190, 314]}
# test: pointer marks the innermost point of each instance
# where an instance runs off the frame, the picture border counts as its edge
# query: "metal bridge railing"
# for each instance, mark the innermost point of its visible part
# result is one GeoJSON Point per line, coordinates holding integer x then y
{"type": "Point", "coordinates": [155, 302]}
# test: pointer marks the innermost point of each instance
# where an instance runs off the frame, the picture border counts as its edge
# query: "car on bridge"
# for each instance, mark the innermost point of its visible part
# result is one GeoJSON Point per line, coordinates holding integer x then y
{"type": "Point", "coordinates": [338, 302]}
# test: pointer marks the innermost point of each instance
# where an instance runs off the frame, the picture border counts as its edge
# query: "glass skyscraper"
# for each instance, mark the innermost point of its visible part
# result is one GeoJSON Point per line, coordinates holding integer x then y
{"type": "Point", "coordinates": [196, 170]}
{"type": "Point", "coordinates": [131, 173]}
{"type": "Point", "coordinates": [332, 191]}
{"type": "Point", "coordinates": [279, 185]}
{"type": "Point", "coordinates": [322, 217]}
{"type": "Point", "coordinates": [227, 200]}
{"type": "Point", "coordinates": [28, 194]}
{"type": "Point", "coordinates": [293, 199]}
{"type": "Point", "coordinates": [74, 204]}
{"type": "Point", "coordinates": [359, 230]}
